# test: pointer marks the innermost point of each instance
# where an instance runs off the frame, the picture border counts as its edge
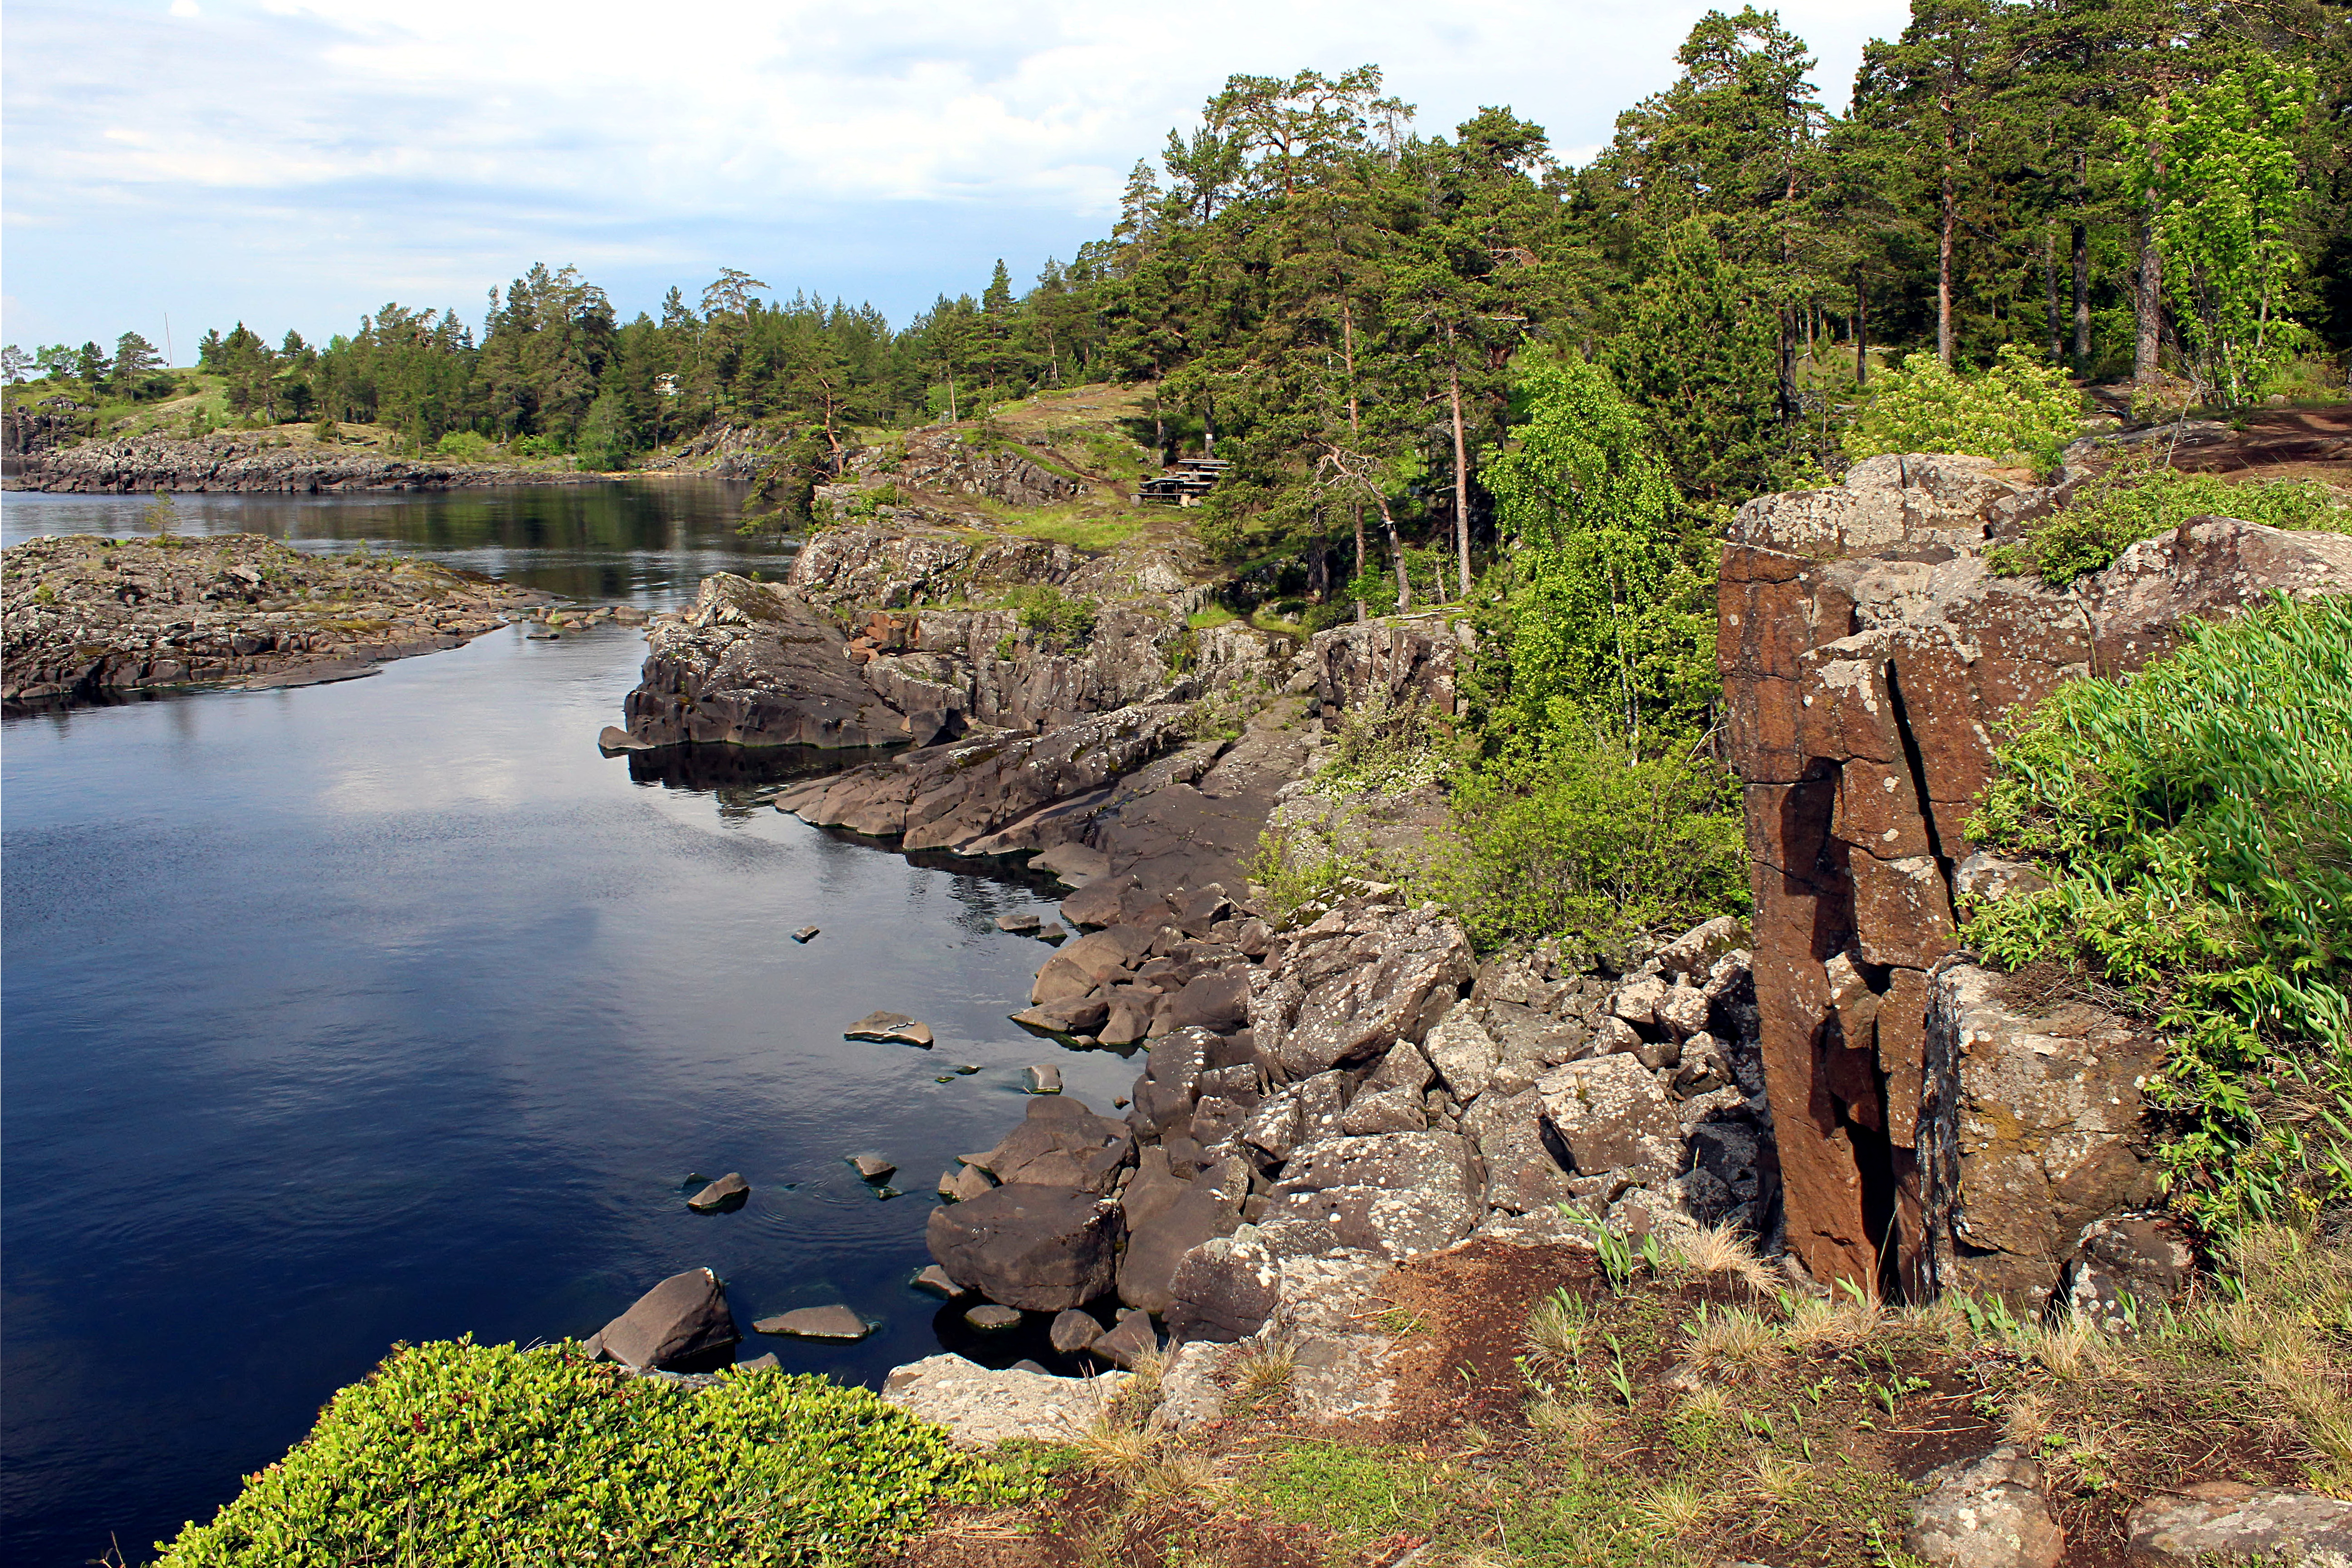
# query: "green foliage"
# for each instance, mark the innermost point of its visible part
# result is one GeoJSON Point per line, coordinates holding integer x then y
{"type": "Point", "coordinates": [2138, 500]}
{"type": "Point", "coordinates": [1587, 839]}
{"type": "Point", "coordinates": [2196, 820]}
{"type": "Point", "coordinates": [1059, 622]}
{"type": "Point", "coordinates": [2228, 186]}
{"type": "Point", "coordinates": [1209, 618]}
{"type": "Point", "coordinates": [2016, 408]}
{"type": "Point", "coordinates": [1604, 608]}
{"type": "Point", "coordinates": [477, 1457]}
{"type": "Point", "coordinates": [1079, 533]}
{"type": "Point", "coordinates": [466, 445]}
{"type": "Point", "coordinates": [1382, 749]}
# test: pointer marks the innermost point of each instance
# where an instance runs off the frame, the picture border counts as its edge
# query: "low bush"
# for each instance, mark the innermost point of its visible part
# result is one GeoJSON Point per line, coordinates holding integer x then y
{"type": "Point", "coordinates": [2017, 409]}
{"type": "Point", "coordinates": [1592, 842]}
{"type": "Point", "coordinates": [2142, 500]}
{"type": "Point", "coordinates": [2196, 823]}
{"type": "Point", "coordinates": [463, 1455]}
{"type": "Point", "coordinates": [466, 445]}
{"type": "Point", "coordinates": [1057, 621]}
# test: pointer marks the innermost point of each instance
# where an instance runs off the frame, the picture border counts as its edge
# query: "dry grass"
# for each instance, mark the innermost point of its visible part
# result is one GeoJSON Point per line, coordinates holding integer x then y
{"type": "Point", "coordinates": [1263, 1374]}
{"type": "Point", "coordinates": [1556, 1330]}
{"type": "Point", "coordinates": [1732, 1341]}
{"type": "Point", "coordinates": [1673, 1507]}
{"type": "Point", "coordinates": [1726, 1250]}
{"type": "Point", "coordinates": [1115, 1448]}
{"type": "Point", "coordinates": [1575, 1422]}
{"type": "Point", "coordinates": [1182, 1477]}
{"type": "Point", "coordinates": [1816, 1323]}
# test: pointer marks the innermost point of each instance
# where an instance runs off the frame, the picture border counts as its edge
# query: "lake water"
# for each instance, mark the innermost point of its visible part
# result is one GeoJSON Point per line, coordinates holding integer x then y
{"type": "Point", "coordinates": [390, 1010]}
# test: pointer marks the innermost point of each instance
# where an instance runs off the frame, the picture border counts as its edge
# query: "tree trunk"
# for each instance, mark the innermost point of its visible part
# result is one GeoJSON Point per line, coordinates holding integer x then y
{"type": "Point", "coordinates": [2148, 302]}
{"type": "Point", "coordinates": [1461, 467]}
{"type": "Point", "coordinates": [1360, 557]}
{"type": "Point", "coordinates": [1396, 555]}
{"type": "Point", "coordinates": [2081, 240]}
{"type": "Point", "coordinates": [1786, 390]}
{"type": "Point", "coordinates": [1861, 330]}
{"type": "Point", "coordinates": [2050, 295]}
{"type": "Point", "coordinates": [1949, 222]}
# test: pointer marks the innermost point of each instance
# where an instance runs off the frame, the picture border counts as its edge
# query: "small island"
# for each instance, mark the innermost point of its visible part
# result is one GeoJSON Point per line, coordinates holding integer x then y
{"type": "Point", "coordinates": [88, 617]}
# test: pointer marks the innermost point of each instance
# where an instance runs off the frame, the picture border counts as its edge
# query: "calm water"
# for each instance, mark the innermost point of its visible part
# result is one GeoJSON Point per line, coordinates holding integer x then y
{"type": "Point", "coordinates": [390, 1010]}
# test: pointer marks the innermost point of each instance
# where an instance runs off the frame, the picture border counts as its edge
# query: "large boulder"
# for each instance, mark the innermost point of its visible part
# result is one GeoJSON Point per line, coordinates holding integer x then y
{"type": "Point", "coordinates": [1609, 1114]}
{"type": "Point", "coordinates": [1986, 1512]}
{"type": "Point", "coordinates": [1869, 654]}
{"type": "Point", "coordinates": [1398, 1195]}
{"type": "Point", "coordinates": [680, 1323]}
{"type": "Point", "coordinates": [752, 664]}
{"type": "Point", "coordinates": [1225, 1289]}
{"type": "Point", "coordinates": [1392, 983]}
{"type": "Point", "coordinates": [1040, 1248]}
{"type": "Point", "coordinates": [2030, 1130]}
{"type": "Point", "coordinates": [1165, 1222]}
{"type": "Point", "coordinates": [1061, 1143]}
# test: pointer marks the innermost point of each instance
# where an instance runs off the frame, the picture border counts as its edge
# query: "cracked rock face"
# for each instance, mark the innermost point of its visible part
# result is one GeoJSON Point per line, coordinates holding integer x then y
{"type": "Point", "coordinates": [1395, 1194]}
{"type": "Point", "coordinates": [1869, 657]}
{"type": "Point", "coordinates": [980, 1408]}
{"type": "Point", "coordinates": [2225, 1521]}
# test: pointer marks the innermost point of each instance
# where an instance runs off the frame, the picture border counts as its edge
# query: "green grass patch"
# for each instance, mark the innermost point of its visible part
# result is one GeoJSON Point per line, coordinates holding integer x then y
{"type": "Point", "coordinates": [1078, 530]}
{"type": "Point", "coordinates": [457, 1454]}
{"type": "Point", "coordinates": [2142, 500]}
{"type": "Point", "coordinates": [1202, 620]}
{"type": "Point", "coordinates": [2196, 822]}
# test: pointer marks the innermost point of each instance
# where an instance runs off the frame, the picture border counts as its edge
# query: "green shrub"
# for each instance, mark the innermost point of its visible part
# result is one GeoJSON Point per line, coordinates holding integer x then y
{"type": "Point", "coordinates": [1592, 842]}
{"type": "Point", "coordinates": [457, 1454]}
{"type": "Point", "coordinates": [2017, 409]}
{"type": "Point", "coordinates": [1383, 748]}
{"type": "Point", "coordinates": [1058, 621]}
{"type": "Point", "coordinates": [2141, 500]}
{"type": "Point", "coordinates": [2195, 821]}
{"type": "Point", "coordinates": [466, 445]}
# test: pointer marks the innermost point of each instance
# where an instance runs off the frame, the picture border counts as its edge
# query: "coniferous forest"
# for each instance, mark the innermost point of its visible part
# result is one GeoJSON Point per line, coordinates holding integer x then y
{"type": "Point", "coordinates": [1330, 296]}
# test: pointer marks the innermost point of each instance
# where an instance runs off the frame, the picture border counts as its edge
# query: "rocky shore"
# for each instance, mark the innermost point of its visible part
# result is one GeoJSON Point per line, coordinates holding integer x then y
{"type": "Point", "coordinates": [86, 618]}
{"type": "Point", "coordinates": [272, 461]}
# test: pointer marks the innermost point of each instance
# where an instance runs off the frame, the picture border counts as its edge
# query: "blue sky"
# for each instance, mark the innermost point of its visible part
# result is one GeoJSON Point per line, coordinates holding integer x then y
{"type": "Point", "coordinates": [299, 163]}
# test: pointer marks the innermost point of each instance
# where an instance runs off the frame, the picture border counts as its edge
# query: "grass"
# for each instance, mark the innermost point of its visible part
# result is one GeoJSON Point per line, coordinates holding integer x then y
{"type": "Point", "coordinates": [459, 1454]}
{"type": "Point", "coordinates": [2195, 821]}
{"type": "Point", "coordinates": [1693, 1417]}
{"type": "Point", "coordinates": [2142, 499]}
{"type": "Point", "coordinates": [1078, 530]}
{"type": "Point", "coordinates": [1214, 615]}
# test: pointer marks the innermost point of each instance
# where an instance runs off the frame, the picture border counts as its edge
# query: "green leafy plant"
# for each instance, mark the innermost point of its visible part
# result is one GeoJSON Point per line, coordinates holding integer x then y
{"type": "Point", "coordinates": [2016, 408]}
{"type": "Point", "coordinates": [2196, 822]}
{"type": "Point", "coordinates": [1057, 621]}
{"type": "Point", "coordinates": [2142, 499]}
{"type": "Point", "coordinates": [480, 1456]}
{"type": "Point", "coordinates": [466, 445]}
{"type": "Point", "coordinates": [1594, 842]}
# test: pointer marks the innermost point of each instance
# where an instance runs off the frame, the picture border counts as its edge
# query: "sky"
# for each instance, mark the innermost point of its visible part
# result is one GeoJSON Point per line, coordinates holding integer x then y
{"type": "Point", "coordinates": [170, 165]}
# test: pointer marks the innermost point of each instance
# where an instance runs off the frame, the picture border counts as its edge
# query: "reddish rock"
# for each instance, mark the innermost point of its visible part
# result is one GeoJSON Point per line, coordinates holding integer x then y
{"type": "Point", "coordinates": [1870, 659]}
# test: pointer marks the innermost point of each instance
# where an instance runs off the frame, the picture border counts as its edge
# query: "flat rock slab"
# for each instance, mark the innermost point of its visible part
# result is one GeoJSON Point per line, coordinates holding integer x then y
{"type": "Point", "coordinates": [2238, 1523]}
{"type": "Point", "coordinates": [1342, 1377]}
{"type": "Point", "coordinates": [1043, 1078]}
{"type": "Point", "coordinates": [873, 1167]}
{"type": "Point", "coordinates": [980, 1408]}
{"type": "Point", "coordinates": [834, 1322]}
{"type": "Point", "coordinates": [727, 1191]}
{"type": "Point", "coordinates": [1986, 1512]}
{"type": "Point", "coordinates": [1074, 864]}
{"type": "Point", "coordinates": [891, 1028]}
{"type": "Point", "coordinates": [1019, 925]}
{"type": "Point", "coordinates": [612, 738]}
{"type": "Point", "coordinates": [806, 934]}
{"type": "Point", "coordinates": [991, 1318]}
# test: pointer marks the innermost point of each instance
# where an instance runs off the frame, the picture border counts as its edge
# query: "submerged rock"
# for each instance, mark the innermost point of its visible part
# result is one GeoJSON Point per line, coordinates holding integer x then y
{"type": "Point", "coordinates": [728, 1193]}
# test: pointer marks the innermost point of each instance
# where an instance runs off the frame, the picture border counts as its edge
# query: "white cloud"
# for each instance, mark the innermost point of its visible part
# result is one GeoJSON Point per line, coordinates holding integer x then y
{"type": "Point", "coordinates": [310, 155]}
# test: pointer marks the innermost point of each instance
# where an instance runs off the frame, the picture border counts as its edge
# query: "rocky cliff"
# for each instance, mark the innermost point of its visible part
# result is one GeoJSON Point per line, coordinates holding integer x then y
{"type": "Point", "coordinates": [1870, 659]}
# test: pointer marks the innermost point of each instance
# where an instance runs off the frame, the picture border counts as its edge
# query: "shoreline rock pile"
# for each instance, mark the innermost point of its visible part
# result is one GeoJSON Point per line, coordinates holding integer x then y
{"type": "Point", "coordinates": [247, 462]}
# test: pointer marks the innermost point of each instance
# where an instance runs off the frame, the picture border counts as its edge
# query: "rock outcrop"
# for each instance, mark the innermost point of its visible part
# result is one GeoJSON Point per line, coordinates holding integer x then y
{"type": "Point", "coordinates": [87, 618]}
{"type": "Point", "coordinates": [1870, 656]}
{"type": "Point", "coordinates": [254, 461]}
